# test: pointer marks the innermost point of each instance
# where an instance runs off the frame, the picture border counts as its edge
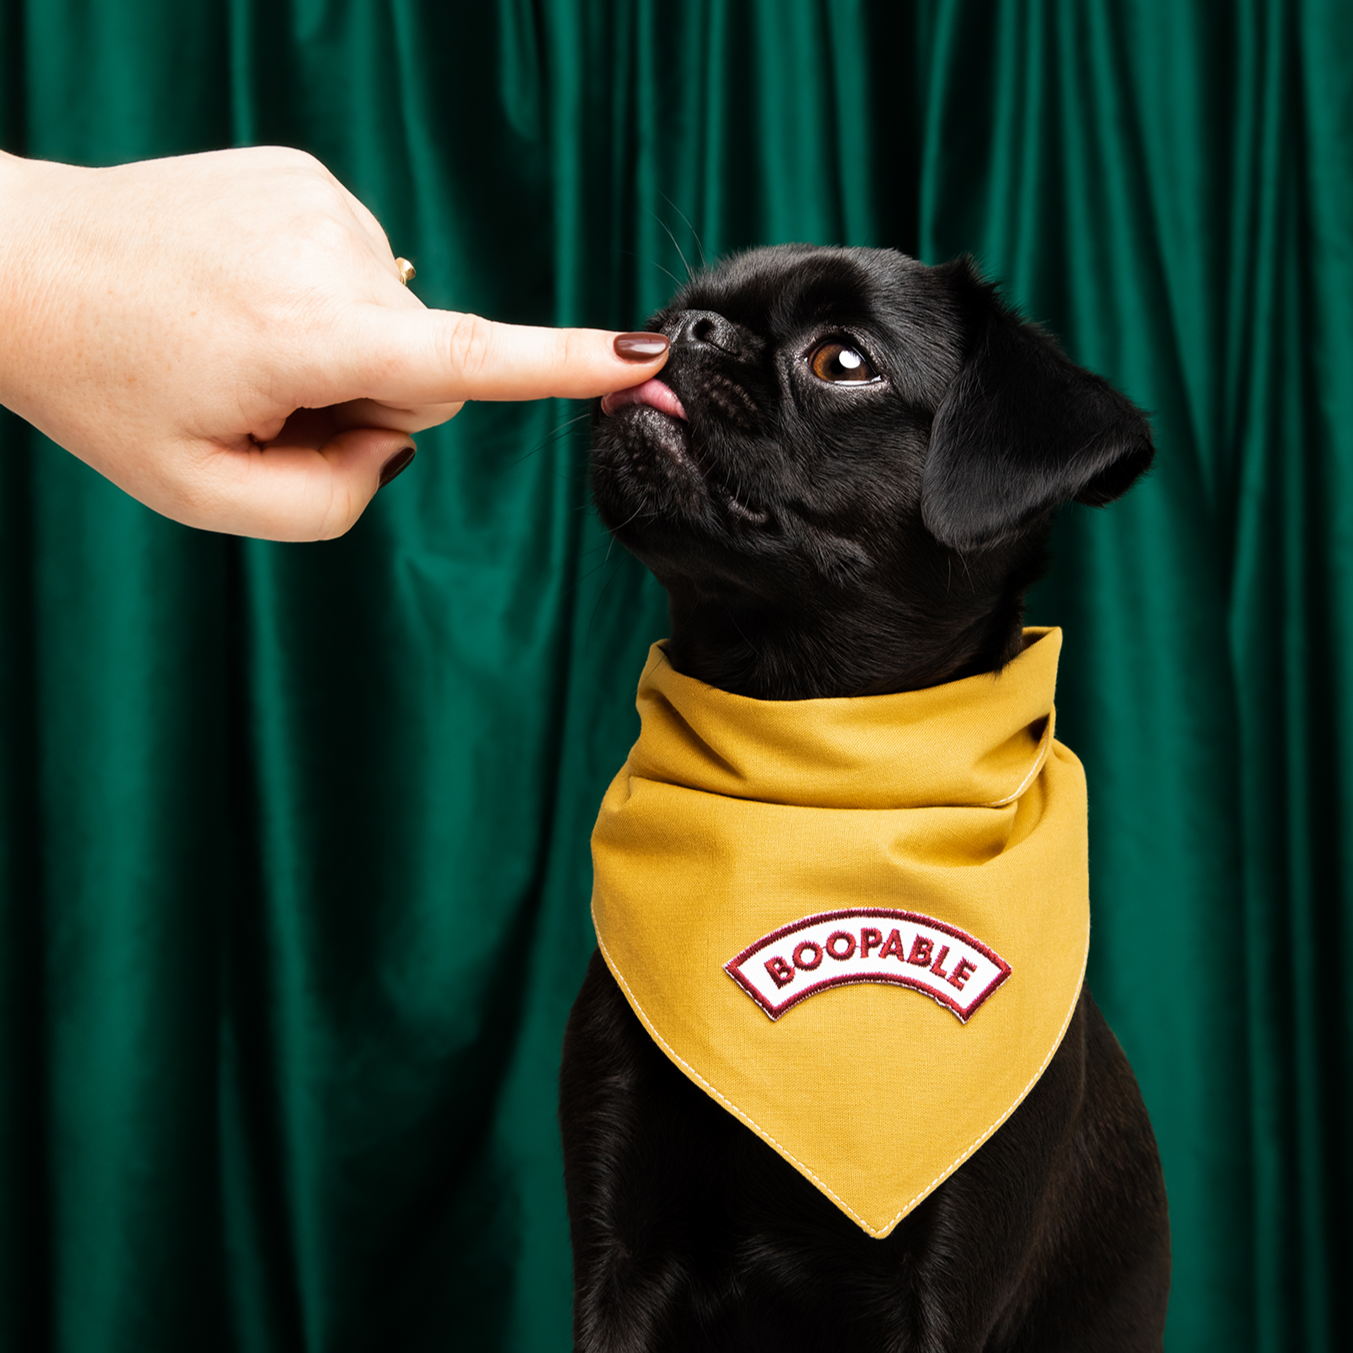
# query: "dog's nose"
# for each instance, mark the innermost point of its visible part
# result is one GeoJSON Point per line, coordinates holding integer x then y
{"type": "Point", "coordinates": [704, 329]}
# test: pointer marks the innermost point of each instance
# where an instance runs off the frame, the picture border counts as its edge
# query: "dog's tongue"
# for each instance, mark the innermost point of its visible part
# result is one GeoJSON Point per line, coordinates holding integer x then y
{"type": "Point", "coordinates": [652, 392]}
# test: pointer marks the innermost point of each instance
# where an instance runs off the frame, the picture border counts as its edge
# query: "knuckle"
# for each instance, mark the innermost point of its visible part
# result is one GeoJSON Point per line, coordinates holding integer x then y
{"type": "Point", "coordinates": [287, 160]}
{"type": "Point", "coordinates": [569, 351]}
{"type": "Point", "coordinates": [341, 509]}
{"type": "Point", "coordinates": [326, 233]}
{"type": "Point", "coordinates": [301, 161]}
{"type": "Point", "coordinates": [331, 521]}
{"type": "Point", "coordinates": [338, 521]}
{"type": "Point", "coordinates": [469, 344]}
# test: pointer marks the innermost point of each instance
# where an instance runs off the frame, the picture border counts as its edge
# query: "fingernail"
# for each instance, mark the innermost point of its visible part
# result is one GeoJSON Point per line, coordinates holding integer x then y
{"type": "Point", "coordinates": [396, 465]}
{"type": "Point", "coordinates": [640, 347]}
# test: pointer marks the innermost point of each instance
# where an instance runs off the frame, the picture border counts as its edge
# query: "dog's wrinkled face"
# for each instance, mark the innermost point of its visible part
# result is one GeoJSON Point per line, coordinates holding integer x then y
{"type": "Point", "coordinates": [845, 474]}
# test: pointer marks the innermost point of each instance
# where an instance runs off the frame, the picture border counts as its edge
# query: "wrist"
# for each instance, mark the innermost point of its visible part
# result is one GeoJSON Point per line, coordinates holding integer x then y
{"type": "Point", "coordinates": [29, 192]}
{"type": "Point", "coordinates": [18, 182]}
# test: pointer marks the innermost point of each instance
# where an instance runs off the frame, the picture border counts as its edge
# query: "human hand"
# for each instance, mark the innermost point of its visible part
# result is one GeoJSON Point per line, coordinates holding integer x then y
{"type": "Point", "coordinates": [226, 337]}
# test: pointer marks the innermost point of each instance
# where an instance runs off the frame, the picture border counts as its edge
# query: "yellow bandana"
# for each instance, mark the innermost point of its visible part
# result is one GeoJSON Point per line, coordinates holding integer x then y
{"type": "Point", "coordinates": [860, 925]}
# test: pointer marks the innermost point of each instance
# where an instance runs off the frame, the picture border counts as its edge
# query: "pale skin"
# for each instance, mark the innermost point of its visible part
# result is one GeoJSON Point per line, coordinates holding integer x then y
{"type": "Point", "coordinates": [226, 337]}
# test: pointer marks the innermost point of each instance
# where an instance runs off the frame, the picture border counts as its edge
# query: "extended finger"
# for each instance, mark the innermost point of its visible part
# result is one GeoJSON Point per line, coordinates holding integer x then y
{"type": "Point", "coordinates": [414, 357]}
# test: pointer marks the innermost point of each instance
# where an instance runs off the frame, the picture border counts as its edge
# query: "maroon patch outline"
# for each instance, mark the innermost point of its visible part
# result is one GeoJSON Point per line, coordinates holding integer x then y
{"type": "Point", "coordinates": [901, 979]}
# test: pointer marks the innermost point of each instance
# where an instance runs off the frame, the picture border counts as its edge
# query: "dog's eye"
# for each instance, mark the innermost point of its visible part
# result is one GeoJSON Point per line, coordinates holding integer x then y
{"type": "Point", "coordinates": [840, 363]}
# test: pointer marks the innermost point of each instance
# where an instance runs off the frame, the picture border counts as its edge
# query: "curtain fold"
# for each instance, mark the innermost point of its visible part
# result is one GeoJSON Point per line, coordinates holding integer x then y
{"type": "Point", "coordinates": [294, 839]}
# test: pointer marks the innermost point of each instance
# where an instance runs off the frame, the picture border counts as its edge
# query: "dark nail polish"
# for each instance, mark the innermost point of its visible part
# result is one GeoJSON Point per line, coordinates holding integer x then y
{"type": "Point", "coordinates": [397, 464]}
{"type": "Point", "coordinates": [640, 347]}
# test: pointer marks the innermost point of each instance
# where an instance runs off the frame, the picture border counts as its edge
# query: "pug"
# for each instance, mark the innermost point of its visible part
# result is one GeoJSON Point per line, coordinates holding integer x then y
{"type": "Point", "coordinates": [845, 479]}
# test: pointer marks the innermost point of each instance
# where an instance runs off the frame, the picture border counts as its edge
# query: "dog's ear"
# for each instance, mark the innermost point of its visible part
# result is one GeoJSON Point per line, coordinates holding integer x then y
{"type": "Point", "coordinates": [1022, 430]}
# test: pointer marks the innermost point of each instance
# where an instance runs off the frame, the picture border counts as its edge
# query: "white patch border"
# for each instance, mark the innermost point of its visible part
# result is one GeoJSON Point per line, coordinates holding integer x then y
{"type": "Point", "coordinates": [963, 1013]}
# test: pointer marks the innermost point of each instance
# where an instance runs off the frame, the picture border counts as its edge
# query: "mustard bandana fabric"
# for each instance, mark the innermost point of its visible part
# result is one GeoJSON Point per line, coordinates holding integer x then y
{"type": "Point", "coordinates": [861, 925]}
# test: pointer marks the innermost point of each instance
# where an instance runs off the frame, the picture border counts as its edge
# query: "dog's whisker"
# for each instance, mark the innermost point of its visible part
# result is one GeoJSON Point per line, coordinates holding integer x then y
{"type": "Point", "coordinates": [690, 272]}
{"type": "Point", "coordinates": [729, 612]}
{"type": "Point", "coordinates": [596, 606]}
{"type": "Point", "coordinates": [551, 437]}
{"type": "Point", "coordinates": [615, 530]}
{"type": "Point", "coordinates": [695, 234]}
{"type": "Point", "coordinates": [963, 559]}
{"type": "Point", "coordinates": [652, 263]}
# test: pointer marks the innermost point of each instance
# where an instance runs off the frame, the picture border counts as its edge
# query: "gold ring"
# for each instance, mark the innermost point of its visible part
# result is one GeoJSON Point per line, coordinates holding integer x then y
{"type": "Point", "coordinates": [406, 270]}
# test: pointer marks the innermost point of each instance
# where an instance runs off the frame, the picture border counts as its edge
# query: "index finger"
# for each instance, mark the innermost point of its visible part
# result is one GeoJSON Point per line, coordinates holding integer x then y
{"type": "Point", "coordinates": [442, 357]}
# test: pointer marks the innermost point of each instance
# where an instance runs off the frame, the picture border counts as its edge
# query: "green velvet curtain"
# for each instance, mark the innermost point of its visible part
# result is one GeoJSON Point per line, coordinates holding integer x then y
{"type": "Point", "coordinates": [293, 839]}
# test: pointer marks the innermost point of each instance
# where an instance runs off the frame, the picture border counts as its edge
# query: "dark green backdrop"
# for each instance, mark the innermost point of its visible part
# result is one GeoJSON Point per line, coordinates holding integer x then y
{"type": "Point", "coordinates": [294, 870]}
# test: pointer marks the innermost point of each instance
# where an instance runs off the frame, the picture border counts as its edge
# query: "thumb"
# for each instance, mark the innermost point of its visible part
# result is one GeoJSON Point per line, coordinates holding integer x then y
{"type": "Point", "coordinates": [295, 492]}
{"type": "Point", "coordinates": [412, 357]}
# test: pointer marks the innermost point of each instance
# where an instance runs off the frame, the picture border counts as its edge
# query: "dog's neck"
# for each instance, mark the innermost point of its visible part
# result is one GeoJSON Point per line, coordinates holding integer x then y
{"type": "Point", "coordinates": [747, 651]}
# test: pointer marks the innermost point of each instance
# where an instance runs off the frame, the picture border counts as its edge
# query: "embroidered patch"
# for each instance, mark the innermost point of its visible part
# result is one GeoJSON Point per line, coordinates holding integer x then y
{"type": "Point", "coordinates": [868, 944]}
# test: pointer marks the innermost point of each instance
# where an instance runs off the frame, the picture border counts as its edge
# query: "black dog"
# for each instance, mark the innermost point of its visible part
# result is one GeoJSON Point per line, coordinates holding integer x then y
{"type": "Point", "coordinates": [845, 486]}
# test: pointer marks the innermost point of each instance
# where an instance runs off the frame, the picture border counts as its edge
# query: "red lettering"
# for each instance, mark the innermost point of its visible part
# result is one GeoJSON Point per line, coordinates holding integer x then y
{"type": "Point", "coordinates": [894, 946]}
{"type": "Point", "coordinates": [780, 971]}
{"type": "Point", "coordinates": [920, 952]}
{"type": "Point", "coordinates": [869, 939]}
{"type": "Point", "coordinates": [937, 966]}
{"type": "Point", "coordinates": [963, 970]}
{"type": "Point", "coordinates": [840, 935]}
{"type": "Point", "coordinates": [801, 962]}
